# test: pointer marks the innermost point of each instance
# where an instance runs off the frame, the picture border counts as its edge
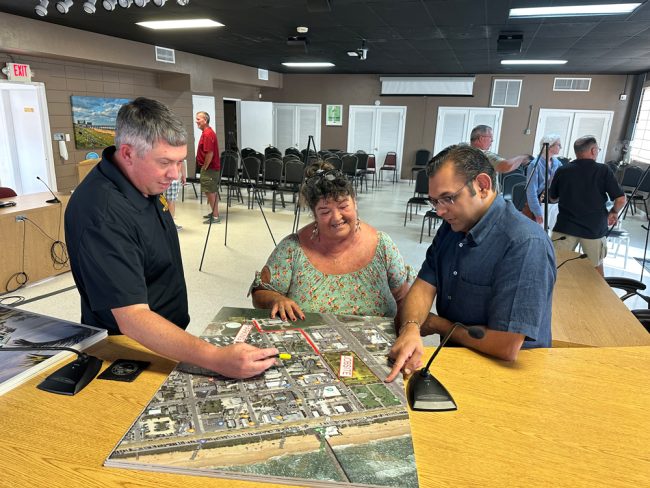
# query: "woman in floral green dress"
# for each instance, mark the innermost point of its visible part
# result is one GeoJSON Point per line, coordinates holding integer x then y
{"type": "Point", "coordinates": [336, 264]}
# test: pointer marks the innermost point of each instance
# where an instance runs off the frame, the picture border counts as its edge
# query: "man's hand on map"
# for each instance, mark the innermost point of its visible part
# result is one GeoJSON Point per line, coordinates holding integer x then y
{"type": "Point", "coordinates": [243, 360]}
{"type": "Point", "coordinates": [407, 353]}
{"type": "Point", "coordinates": [286, 309]}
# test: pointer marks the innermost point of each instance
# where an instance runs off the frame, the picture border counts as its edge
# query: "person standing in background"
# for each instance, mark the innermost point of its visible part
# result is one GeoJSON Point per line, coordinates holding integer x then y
{"type": "Point", "coordinates": [535, 191]}
{"type": "Point", "coordinates": [582, 188]}
{"type": "Point", "coordinates": [207, 159]}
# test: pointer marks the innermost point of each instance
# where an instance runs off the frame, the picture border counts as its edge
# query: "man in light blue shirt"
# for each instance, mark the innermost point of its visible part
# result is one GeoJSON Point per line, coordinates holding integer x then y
{"type": "Point", "coordinates": [488, 266]}
{"type": "Point", "coordinates": [537, 183]}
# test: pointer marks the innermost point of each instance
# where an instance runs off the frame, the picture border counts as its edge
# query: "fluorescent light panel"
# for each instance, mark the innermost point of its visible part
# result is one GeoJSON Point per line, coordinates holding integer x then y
{"type": "Point", "coordinates": [308, 65]}
{"type": "Point", "coordinates": [180, 24]}
{"type": "Point", "coordinates": [575, 10]}
{"type": "Point", "coordinates": [533, 61]}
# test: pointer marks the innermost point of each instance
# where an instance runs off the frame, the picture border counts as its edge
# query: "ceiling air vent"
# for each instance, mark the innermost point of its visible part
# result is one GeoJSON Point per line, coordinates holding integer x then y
{"type": "Point", "coordinates": [165, 55]}
{"type": "Point", "coordinates": [572, 84]}
{"type": "Point", "coordinates": [505, 93]}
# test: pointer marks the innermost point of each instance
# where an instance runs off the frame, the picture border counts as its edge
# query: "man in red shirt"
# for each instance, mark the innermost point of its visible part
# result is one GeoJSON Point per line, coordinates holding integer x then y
{"type": "Point", "coordinates": [207, 159]}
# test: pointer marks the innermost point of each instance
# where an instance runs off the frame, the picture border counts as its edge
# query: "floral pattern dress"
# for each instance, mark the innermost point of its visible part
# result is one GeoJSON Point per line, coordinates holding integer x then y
{"type": "Point", "coordinates": [366, 291]}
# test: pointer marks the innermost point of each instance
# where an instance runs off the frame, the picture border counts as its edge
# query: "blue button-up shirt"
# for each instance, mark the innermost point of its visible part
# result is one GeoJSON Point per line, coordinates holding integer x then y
{"type": "Point", "coordinates": [536, 186]}
{"type": "Point", "coordinates": [500, 274]}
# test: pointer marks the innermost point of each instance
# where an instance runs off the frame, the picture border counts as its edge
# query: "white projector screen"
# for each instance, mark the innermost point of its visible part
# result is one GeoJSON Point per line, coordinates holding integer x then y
{"type": "Point", "coordinates": [439, 85]}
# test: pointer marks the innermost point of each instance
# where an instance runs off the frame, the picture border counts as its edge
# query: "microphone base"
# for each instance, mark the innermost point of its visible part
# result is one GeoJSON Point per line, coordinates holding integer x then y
{"type": "Point", "coordinates": [53, 200]}
{"type": "Point", "coordinates": [73, 377]}
{"type": "Point", "coordinates": [426, 393]}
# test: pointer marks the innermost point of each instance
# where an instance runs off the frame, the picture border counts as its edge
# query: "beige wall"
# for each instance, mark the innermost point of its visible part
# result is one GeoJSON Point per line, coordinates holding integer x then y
{"type": "Point", "coordinates": [421, 117]}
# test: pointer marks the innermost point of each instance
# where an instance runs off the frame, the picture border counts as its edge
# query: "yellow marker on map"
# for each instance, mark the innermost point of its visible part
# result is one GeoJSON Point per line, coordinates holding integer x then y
{"type": "Point", "coordinates": [283, 355]}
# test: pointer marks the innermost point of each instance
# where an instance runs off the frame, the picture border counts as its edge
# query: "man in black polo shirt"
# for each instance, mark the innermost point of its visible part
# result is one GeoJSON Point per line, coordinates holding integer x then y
{"type": "Point", "coordinates": [124, 250]}
{"type": "Point", "coordinates": [582, 188]}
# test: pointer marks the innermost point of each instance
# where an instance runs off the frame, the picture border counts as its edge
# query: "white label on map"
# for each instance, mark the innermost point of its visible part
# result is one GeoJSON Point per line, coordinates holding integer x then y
{"type": "Point", "coordinates": [347, 367]}
{"type": "Point", "coordinates": [242, 335]}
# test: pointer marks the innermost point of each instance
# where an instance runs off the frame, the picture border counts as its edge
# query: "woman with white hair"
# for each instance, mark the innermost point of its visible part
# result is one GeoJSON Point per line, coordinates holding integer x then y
{"type": "Point", "coordinates": [535, 192]}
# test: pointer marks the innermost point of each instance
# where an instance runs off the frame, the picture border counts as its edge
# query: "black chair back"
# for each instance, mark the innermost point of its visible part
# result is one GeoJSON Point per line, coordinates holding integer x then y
{"type": "Point", "coordinates": [229, 163]}
{"type": "Point", "coordinates": [273, 171]}
{"type": "Point", "coordinates": [251, 170]}
{"type": "Point", "coordinates": [422, 157]}
{"type": "Point", "coordinates": [421, 184]}
{"type": "Point", "coordinates": [247, 151]}
{"type": "Point", "coordinates": [294, 172]}
{"type": "Point", "coordinates": [631, 176]}
{"type": "Point", "coordinates": [362, 161]}
{"type": "Point", "coordinates": [519, 195]}
{"type": "Point", "coordinates": [510, 180]}
{"type": "Point", "coordinates": [292, 150]}
{"type": "Point", "coordinates": [349, 165]}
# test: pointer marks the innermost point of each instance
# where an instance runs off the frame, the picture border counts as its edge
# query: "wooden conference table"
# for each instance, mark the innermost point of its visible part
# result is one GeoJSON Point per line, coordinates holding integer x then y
{"type": "Point", "coordinates": [587, 312]}
{"type": "Point", "coordinates": [30, 252]}
{"type": "Point", "coordinates": [570, 417]}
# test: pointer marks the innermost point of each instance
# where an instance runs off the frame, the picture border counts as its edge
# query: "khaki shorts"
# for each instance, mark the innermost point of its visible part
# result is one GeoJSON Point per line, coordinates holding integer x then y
{"type": "Point", "coordinates": [595, 249]}
{"type": "Point", "coordinates": [210, 179]}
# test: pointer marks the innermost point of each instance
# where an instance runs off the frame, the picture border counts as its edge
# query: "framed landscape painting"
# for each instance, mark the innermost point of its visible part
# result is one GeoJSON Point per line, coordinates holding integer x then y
{"type": "Point", "coordinates": [93, 121]}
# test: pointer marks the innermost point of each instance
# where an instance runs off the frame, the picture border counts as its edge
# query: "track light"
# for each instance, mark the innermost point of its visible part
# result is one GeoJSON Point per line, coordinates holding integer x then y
{"type": "Point", "coordinates": [63, 6]}
{"type": "Point", "coordinates": [109, 5]}
{"type": "Point", "coordinates": [89, 6]}
{"type": "Point", "coordinates": [182, 3]}
{"type": "Point", "coordinates": [159, 3]}
{"type": "Point", "coordinates": [141, 3]}
{"type": "Point", "coordinates": [41, 8]}
{"type": "Point", "coordinates": [125, 3]}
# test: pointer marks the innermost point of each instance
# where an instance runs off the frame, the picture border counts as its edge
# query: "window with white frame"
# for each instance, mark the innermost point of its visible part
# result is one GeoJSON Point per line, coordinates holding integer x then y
{"type": "Point", "coordinates": [640, 145]}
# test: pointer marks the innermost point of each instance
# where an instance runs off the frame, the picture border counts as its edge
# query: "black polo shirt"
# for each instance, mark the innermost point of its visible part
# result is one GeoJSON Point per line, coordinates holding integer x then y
{"type": "Point", "coordinates": [583, 187]}
{"type": "Point", "coordinates": [123, 249]}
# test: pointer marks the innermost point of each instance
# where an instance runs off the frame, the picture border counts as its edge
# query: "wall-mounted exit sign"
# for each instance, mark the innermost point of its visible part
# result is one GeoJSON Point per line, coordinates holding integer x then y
{"type": "Point", "coordinates": [18, 72]}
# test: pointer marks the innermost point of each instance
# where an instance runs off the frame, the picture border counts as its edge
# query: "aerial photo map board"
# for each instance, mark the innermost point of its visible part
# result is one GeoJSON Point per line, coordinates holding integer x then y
{"type": "Point", "coordinates": [322, 417]}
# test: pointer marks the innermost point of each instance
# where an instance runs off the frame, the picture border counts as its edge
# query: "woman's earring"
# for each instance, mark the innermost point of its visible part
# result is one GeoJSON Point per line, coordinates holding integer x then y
{"type": "Point", "coordinates": [357, 228]}
{"type": "Point", "coordinates": [314, 232]}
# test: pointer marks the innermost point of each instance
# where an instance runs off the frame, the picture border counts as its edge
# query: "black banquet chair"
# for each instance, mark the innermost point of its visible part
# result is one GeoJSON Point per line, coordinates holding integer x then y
{"type": "Point", "coordinates": [420, 195]}
{"type": "Point", "coordinates": [422, 157]}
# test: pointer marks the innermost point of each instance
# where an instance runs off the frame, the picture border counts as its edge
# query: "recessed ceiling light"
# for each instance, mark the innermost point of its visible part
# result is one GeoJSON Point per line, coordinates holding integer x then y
{"type": "Point", "coordinates": [533, 61]}
{"type": "Point", "coordinates": [575, 10]}
{"type": "Point", "coordinates": [308, 65]}
{"type": "Point", "coordinates": [180, 24]}
{"type": "Point", "coordinates": [353, 54]}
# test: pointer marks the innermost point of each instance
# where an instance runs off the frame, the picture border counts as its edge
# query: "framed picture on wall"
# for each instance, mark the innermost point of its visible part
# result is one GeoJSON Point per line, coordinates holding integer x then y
{"type": "Point", "coordinates": [93, 121]}
{"type": "Point", "coordinates": [334, 115]}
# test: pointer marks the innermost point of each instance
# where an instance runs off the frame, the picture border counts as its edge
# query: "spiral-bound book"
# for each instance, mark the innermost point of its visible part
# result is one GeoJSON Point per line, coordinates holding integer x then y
{"type": "Point", "coordinates": [20, 328]}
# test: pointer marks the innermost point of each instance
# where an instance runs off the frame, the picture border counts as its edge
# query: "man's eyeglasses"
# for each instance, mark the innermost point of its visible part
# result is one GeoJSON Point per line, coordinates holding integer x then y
{"type": "Point", "coordinates": [442, 202]}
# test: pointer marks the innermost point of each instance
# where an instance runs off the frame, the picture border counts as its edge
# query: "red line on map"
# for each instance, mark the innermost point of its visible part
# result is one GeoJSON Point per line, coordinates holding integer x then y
{"type": "Point", "coordinates": [309, 341]}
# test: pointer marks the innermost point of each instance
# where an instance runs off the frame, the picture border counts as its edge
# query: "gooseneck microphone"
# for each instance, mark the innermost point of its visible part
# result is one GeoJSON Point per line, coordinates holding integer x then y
{"type": "Point", "coordinates": [561, 238]}
{"type": "Point", "coordinates": [425, 392]}
{"type": "Point", "coordinates": [52, 200]}
{"type": "Point", "coordinates": [69, 379]}
{"type": "Point", "coordinates": [582, 256]}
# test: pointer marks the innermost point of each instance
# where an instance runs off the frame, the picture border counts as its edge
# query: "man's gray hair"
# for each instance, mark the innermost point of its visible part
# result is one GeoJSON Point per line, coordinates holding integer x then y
{"type": "Point", "coordinates": [583, 144]}
{"type": "Point", "coordinates": [468, 162]}
{"type": "Point", "coordinates": [549, 139]}
{"type": "Point", "coordinates": [143, 121]}
{"type": "Point", "coordinates": [478, 131]}
{"type": "Point", "coordinates": [205, 115]}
